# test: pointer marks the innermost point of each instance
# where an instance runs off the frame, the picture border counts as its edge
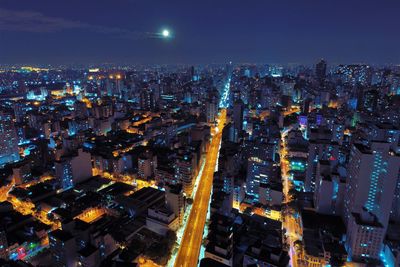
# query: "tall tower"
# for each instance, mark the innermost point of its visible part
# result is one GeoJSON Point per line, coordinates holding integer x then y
{"type": "Point", "coordinates": [320, 70]}
{"type": "Point", "coordinates": [211, 110]}
{"type": "Point", "coordinates": [8, 140]}
{"type": "Point", "coordinates": [147, 101]}
{"type": "Point", "coordinates": [184, 171]}
{"type": "Point", "coordinates": [192, 73]}
{"type": "Point", "coordinates": [238, 111]}
{"type": "Point", "coordinates": [373, 174]}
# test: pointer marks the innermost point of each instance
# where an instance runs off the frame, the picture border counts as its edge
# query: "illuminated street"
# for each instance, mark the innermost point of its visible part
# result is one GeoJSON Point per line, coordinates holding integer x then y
{"type": "Point", "coordinates": [289, 223]}
{"type": "Point", "coordinates": [188, 254]}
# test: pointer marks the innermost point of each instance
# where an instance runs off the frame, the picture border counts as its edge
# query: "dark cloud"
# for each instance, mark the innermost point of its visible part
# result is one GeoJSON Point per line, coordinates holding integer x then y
{"type": "Point", "coordinates": [35, 22]}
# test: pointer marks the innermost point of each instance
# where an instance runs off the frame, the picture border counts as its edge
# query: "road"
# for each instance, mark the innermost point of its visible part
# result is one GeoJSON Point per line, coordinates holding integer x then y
{"type": "Point", "coordinates": [293, 229]}
{"type": "Point", "coordinates": [189, 250]}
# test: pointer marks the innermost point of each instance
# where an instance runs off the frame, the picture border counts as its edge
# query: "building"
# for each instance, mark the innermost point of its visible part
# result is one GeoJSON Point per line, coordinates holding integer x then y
{"type": "Point", "coordinates": [147, 163]}
{"type": "Point", "coordinates": [139, 202]}
{"type": "Point", "coordinates": [161, 219]}
{"type": "Point", "coordinates": [222, 194]}
{"type": "Point", "coordinates": [262, 255]}
{"type": "Point", "coordinates": [271, 193]}
{"type": "Point", "coordinates": [80, 109]}
{"type": "Point", "coordinates": [373, 177]}
{"type": "Point", "coordinates": [322, 239]}
{"type": "Point", "coordinates": [364, 237]}
{"type": "Point", "coordinates": [330, 188]}
{"type": "Point", "coordinates": [314, 255]}
{"type": "Point", "coordinates": [320, 70]}
{"type": "Point", "coordinates": [176, 200]}
{"type": "Point", "coordinates": [22, 172]}
{"type": "Point", "coordinates": [220, 240]}
{"type": "Point", "coordinates": [185, 169]}
{"type": "Point", "coordinates": [320, 148]}
{"type": "Point", "coordinates": [80, 243]}
{"type": "Point", "coordinates": [73, 169]}
{"type": "Point", "coordinates": [8, 140]}
{"type": "Point", "coordinates": [373, 173]}
{"type": "Point", "coordinates": [238, 113]}
{"type": "Point", "coordinates": [89, 256]}
{"type": "Point", "coordinates": [211, 110]}
{"type": "Point", "coordinates": [63, 248]}
{"type": "Point", "coordinates": [111, 164]}
{"type": "Point", "coordinates": [147, 101]}
{"type": "Point", "coordinates": [258, 172]}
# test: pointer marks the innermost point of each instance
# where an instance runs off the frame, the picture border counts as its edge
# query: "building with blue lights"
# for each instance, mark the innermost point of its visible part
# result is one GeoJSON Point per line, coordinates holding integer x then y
{"type": "Point", "coordinates": [373, 175]}
{"type": "Point", "coordinates": [258, 172]}
{"type": "Point", "coordinates": [8, 140]}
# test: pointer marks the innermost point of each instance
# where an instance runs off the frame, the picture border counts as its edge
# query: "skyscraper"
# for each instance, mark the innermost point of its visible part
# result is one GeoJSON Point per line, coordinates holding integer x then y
{"type": "Point", "coordinates": [373, 174]}
{"type": "Point", "coordinates": [320, 69]}
{"type": "Point", "coordinates": [8, 140]}
{"type": "Point", "coordinates": [211, 110]}
{"type": "Point", "coordinates": [258, 172]}
{"type": "Point", "coordinates": [147, 101]}
{"type": "Point", "coordinates": [238, 110]}
{"type": "Point", "coordinates": [184, 171]}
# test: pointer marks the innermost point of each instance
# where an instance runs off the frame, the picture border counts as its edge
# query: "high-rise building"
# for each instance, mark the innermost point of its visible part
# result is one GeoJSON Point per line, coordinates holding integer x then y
{"type": "Point", "coordinates": [320, 148]}
{"type": "Point", "coordinates": [330, 188]}
{"type": "Point", "coordinates": [63, 248]}
{"type": "Point", "coordinates": [372, 178]}
{"type": "Point", "coordinates": [72, 169]}
{"type": "Point", "coordinates": [373, 174]}
{"type": "Point", "coordinates": [19, 111]}
{"type": "Point", "coordinates": [220, 240]}
{"type": "Point", "coordinates": [184, 171]}
{"type": "Point", "coordinates": [147, 163]}
{"type": "Point", "coordinates": [147, 101]}
{"type": "Point", "coordinates": [258, 172]}
{"type": "Point", "coordinates": [320, 69]}
{"type": "Point", "coordinates": [238, 112]}
{"type": "Point", "coordinates": [364, 236]}
{"type": "Point", "coordinates": [229, 68]}
{"type": "Point", "coordinates": [8, 140]}
{"type": "Point", "coordinates": [192, 73]}
{"type": "Point", "coordinates": [176, 201]}
{"type": "Point", "coordinates": [211, 110]}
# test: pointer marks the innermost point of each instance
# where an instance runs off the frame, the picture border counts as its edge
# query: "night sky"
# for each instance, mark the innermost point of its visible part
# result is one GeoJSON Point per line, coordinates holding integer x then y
{"type": "Point", "coordinates": [205, 31]}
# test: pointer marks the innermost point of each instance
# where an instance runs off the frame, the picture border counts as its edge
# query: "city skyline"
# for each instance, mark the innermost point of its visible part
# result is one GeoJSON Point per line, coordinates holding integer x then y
{"type": "Point", "coordinates": [199, 133]}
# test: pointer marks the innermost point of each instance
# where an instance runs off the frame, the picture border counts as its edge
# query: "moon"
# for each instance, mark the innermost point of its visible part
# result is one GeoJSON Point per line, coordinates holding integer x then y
{"type": "Point", "coordinates": [165, 33]}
